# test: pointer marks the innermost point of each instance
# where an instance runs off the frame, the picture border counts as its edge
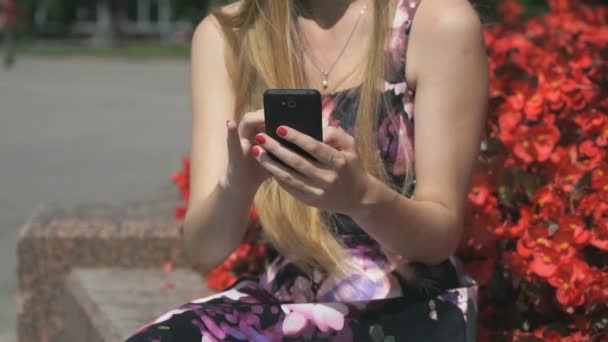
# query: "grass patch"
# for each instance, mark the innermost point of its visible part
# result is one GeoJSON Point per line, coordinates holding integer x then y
{"type": "Point", "coordinates": [131, 51]}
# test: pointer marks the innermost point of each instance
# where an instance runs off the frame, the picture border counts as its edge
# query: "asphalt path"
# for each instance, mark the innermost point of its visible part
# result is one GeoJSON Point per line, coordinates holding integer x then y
{"type": "Point", "coordinates": [84, 130]}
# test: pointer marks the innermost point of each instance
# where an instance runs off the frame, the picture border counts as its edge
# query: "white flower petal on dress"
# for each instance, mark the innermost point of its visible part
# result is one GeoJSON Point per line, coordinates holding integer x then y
{"type": "Point", "coordinates": [329, 315]}
{"type": "Point", "coordinates": [207, 338]}
{"type": "Point", "coordinates": [233, 294]}
{"type": "Point", "coordinates": [401, 16]}
{"type": "Point", "coordinates": [294, 323]}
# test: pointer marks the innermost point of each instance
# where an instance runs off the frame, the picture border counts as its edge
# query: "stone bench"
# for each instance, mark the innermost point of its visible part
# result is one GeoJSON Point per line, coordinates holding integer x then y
{"type": "Point", "coordinates": [57, 239]}
{"type": "Point", "coordinates": [108, 305]}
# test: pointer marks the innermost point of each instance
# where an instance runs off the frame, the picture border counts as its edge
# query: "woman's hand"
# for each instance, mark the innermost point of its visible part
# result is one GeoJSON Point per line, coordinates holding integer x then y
{"type": "Point", "coordinates": [243, 171]}
{"type": "Point", "coordinates": [335, 181]}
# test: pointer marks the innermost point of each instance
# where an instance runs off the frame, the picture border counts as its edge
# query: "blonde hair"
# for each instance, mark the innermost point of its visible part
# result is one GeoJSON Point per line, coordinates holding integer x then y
{"type": "Point", "coordinates": [264, 52]}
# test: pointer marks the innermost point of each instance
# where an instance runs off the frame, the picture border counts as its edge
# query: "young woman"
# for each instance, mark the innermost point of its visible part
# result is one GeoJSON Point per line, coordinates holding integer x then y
{"type": "Point", "coordinates": [364, 235]}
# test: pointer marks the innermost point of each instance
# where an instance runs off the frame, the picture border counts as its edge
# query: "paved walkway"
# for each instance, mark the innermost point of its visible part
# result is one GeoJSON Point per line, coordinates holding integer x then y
{"type": "Point", "coordinates": [74, 130]}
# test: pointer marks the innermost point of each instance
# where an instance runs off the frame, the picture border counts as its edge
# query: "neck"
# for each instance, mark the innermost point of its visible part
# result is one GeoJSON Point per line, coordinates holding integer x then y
{"type": "Point", "coordinates": [327, 12]}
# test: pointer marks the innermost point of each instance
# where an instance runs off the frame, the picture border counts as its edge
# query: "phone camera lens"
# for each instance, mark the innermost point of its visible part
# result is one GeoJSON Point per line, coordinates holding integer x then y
{"type": "Point", "coordinates": [291, 104]}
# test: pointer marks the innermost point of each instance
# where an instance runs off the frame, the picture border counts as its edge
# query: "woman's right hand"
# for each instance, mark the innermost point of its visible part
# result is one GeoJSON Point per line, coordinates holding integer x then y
{"type": "Point", "coordinates": [243, 171]}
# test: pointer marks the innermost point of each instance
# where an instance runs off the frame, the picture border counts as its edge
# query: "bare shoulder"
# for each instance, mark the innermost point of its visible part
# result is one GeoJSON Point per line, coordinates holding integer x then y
{"type": "Point", "coordinates": [443, 29]}
{"type": "Point", "coordinates": [447, 17]}
{"type": "Point", "coordinates": [209, 29]}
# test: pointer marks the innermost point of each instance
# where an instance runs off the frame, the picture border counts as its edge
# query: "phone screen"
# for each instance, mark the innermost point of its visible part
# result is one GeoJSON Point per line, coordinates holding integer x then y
{"type": "Point", "coordinates": [296, 108]}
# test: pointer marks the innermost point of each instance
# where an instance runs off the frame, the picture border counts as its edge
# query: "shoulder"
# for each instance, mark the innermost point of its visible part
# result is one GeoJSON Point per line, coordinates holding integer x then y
{"type": "Point", "coordinates": [209, 30]}
{"type": "Point", "coordinates": [447, 18]}
{"type": "Point", "coordinates": [443, 30]}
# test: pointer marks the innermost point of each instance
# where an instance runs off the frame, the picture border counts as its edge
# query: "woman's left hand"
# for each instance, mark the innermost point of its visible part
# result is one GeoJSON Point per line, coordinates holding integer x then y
{"type": "Point", "coordinates": [335, 181]}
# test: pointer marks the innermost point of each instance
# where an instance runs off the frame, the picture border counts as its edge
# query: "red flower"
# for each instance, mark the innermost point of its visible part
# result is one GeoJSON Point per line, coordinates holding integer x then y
{"type": "Point", "coordinates": [550, 81]}
{"type": "Point", "coordinates": [545, 261]}
{"type": "Point", "coordinates": [481, 193]}
{"type": "Point", "coordinates": [509, 118]}
{"type": "Point", "coordinates": [550, 202]}
{"type": "Point", "coordinates": [599, 235]}
{"type": "Point", "coordinates": [485, 226]}
{"type": "Point", "coordinates": [572, 230]}
{"type": "Point", "coordinates": [564, 168]}
{"type": "Point", "coordinates": [528, 99]}
{"type": "Point", "coordinates": [180, 212]}
{"type": "Point", "coordinates": [581, 60]}
{"type": "Point", "coordinates": [599, 178]}
{"type": "Point", "coordinates": [602, 138]}
{"type": "Point", "coordinates": [591, 123]}
{"type": "Point", "coordinates": [594, 205]}
{"type": "Point", "coordinates": [527, 218]}
{"type": "Point", "coordinates": [571, 280]}
{"type": "Point", "coordinates": [536, 143]}
{"type": "Point", "coordinates": [219, 279]}
{"type": "Point", "coordinates": [253, 214]}
{"type": "Point", "coordinates": [578, 336]}
{"type": "Point", "coordinates": [593, 153]}
{"type": "Point", "coordinates": [534, 238]}
{"type": "Point", "coordinates": [510, 10]}
{"type": "Point", "coordinates": [598, 290]}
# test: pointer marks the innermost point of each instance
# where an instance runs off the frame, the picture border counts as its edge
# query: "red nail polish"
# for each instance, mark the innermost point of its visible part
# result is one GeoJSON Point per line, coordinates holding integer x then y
{"type": "Point", "coordinates": [260, 139]}
{"type": "Point", "coordinates": [282, 131]}
{"type": "Point", "coordinates": [256, 151]}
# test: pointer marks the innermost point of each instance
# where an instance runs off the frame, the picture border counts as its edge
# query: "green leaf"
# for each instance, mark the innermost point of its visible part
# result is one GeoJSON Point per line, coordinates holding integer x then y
{"type": "Point", "coordinates": [389, 339]}
{"type": "Point", "coordinates": [506, 187]}
{"type": "Point", "coordinates": [377, 333]}
{"type": "Point", "coordinates": [530, 183]}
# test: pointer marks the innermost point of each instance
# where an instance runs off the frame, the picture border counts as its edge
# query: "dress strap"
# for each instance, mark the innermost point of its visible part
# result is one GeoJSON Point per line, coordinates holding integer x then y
{"type": "Point", "coordinates": [399, 36]}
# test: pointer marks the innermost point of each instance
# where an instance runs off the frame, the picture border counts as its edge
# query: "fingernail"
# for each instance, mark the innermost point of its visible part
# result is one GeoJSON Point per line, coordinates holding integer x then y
{"type": "Point", "coordinates": [227, 121]}
{"type": "Point", "coordinates": [282, 131]}
{"type": "Point", "coordinates": [256, 151]}
{"type": "Point", "coordinates": [260, 139]}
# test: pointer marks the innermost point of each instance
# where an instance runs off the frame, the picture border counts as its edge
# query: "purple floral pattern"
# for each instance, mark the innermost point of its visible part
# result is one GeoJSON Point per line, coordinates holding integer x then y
{"type": "Point", "coordinates": [378, 302]}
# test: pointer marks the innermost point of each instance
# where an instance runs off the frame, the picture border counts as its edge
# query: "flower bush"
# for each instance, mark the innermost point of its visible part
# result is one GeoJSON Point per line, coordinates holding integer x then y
{"type": "Point", "coordinates": [538, 209]}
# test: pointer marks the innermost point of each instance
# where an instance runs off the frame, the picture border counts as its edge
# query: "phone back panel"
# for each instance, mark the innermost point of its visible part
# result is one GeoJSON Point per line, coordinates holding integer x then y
{"type": "Point", "coordinates": [296, 108]}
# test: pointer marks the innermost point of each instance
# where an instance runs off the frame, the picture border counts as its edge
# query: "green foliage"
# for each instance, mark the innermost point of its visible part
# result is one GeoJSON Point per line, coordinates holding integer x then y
{"type": "Point", "coordinates": [194, 11]}
{"type": "Point", "coordinates": [489, 13]}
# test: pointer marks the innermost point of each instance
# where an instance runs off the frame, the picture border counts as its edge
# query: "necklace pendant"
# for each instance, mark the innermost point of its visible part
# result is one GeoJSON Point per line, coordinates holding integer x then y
{"type": "Point", "coordinates": [325, 83]}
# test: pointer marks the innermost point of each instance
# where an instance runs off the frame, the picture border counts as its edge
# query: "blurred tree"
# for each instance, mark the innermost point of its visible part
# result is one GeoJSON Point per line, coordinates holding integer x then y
{"type": "Point", "coordinates": [193, 10]}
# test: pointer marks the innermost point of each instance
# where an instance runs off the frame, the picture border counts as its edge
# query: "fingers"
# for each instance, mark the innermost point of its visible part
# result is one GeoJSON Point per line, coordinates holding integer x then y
{"type": "Point", "coordinates": [286, 177]}
{"type": "Point", "coordinates": [322, 152]}
{"type": "Point", "coordinates": [251, 123]}
{"type": "Point", "coordinates": [299, 163]}
{"type": "Point", "coordinates": [338, 138]}
{"type": "Point", "coordinates": [233, 140]}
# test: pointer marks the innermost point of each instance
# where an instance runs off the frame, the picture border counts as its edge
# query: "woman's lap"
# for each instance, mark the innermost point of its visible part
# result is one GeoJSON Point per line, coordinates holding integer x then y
{"type": "Point", "coordinates": [247, 312]}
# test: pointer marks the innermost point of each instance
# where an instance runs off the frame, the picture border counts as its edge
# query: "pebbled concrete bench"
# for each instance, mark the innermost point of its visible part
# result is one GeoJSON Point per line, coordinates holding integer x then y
{"type": "Point", "coordinates": [108, 305]}
{"type": "Point", "coordinates": [57, 239]}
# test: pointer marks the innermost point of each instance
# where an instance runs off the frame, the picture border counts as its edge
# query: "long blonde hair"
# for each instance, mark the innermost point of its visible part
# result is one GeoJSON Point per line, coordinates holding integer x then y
{"type": "Point", "coordinates": [263, 51]}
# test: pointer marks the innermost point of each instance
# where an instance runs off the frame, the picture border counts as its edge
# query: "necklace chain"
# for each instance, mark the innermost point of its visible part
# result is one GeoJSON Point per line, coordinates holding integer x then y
{"type": "Point", "coordinates": [325, 74]}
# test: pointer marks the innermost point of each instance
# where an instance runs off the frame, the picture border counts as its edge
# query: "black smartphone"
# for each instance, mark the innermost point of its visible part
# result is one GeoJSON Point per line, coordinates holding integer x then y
{"type": "Point", "coordinates": [296, 108]}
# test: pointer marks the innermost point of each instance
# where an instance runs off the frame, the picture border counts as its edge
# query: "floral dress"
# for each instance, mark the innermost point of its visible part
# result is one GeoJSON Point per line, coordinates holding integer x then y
{"type": "Point", "coordinates": [377, 304]}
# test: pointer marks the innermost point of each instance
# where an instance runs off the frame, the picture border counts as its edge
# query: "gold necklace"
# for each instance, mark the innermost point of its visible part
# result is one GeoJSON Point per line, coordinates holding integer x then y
{"type": "Point", "coordinates": [325, 74]}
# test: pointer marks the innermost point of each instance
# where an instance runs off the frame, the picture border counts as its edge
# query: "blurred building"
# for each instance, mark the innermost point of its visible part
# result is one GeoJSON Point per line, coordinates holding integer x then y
{"type": "Point", "coordinates": [128, 18]}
